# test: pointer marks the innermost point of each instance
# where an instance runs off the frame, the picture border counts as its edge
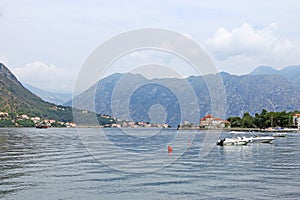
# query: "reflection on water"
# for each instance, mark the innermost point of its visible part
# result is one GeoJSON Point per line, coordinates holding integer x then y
{"type": "Point", "coordinates": [54, 164]}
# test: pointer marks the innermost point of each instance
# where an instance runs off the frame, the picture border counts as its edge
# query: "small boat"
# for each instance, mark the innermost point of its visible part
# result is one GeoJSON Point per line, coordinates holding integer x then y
{"type": "Point", "coordinates": [233, 141]}
{"type": "Point", "coordinates": [261, 139]}
{"type": "Point", "coordinates": [42, 126]}
{"type": "Point", "coordinates": [279, 135]}
{"type": "Point", "coordinates": [237, 132]}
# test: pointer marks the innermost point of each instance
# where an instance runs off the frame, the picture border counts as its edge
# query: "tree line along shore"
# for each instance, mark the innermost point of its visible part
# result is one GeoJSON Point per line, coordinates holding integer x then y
{"type": "Point", "coordinates": [264, 121]}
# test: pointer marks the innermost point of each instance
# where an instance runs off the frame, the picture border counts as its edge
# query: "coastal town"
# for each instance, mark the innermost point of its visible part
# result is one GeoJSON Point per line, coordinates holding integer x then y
{"type": "Point", "coordinates": [206, 122]}
{"type": "Point", "coordinates": [24, 120]}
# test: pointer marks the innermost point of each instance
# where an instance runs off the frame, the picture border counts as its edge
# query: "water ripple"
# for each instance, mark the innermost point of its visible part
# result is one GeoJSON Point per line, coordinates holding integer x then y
{"type": "Point", "coordinates": [53, 164]}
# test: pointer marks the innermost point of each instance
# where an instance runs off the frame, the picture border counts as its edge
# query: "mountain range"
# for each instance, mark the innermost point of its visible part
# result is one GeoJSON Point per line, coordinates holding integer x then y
{"type": "Point", "coordinates": [264, 88]}
{"type": "Point", "coordinates": [171, 100]}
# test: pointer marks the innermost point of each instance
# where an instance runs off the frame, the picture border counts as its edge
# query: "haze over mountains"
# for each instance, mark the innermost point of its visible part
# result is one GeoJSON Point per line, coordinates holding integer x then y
{"type": "Point", "coordinates": [158, 100]}
{"type": "Point", "coordinates": [264, 88]}
{"type": "Point", "coordinates": [56, 98]}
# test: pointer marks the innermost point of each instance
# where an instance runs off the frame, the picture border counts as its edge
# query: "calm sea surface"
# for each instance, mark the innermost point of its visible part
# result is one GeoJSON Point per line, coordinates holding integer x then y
{"type": "Point", "coordinates": [56, 164]}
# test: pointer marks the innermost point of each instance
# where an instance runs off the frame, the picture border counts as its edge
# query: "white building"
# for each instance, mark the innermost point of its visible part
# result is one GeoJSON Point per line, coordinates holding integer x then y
{"type": "Point", "coordinates": [4, 114]}
{"type": "Point", "coordinates": [211, 122]}
{"type": "Point", "coordinates": [296, 120]}
{"type": "Point", "coordinates": [35, 119]}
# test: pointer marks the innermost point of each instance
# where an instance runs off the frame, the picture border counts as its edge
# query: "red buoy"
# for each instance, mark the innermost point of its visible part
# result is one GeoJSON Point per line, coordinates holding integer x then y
{"type": "Point", "coordinates": [170, 149]}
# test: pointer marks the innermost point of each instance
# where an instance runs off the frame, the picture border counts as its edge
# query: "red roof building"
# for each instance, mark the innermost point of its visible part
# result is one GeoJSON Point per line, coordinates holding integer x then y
{"type": "Point", "coordinates": [209, 121]}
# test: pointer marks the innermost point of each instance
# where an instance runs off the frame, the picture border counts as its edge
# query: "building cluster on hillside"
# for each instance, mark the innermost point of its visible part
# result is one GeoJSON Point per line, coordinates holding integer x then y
{"type": "Point", "coordinates": [34, 120]}
{"type": "Point", "coordinates": [119, 123]}
{"type": "Point", "coordinates": [112, 122]}
{"type": "Point", "coordinates": [3, 115]}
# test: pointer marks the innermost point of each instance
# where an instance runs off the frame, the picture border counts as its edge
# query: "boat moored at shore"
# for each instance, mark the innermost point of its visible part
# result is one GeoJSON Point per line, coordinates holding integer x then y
{"type": "Point", "coordinates": [42, 126]}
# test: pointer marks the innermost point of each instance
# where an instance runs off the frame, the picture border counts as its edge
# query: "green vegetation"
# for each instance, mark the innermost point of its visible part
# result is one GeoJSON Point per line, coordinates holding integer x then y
{"type": "Point", "coordinates": [6, 123]}
{"type": "Point", "coordinates": [17, 100]}
{"type": "Point", "coordinates": [263, 120]}
{"type": "Point", "coordinates": [58, 125]}
{"type": "Point", "coordinates": [13, 119]}
{"type": "Point", "coordinates": [25, 123]}
{"type": "Point", "coordinates": [105, 120]}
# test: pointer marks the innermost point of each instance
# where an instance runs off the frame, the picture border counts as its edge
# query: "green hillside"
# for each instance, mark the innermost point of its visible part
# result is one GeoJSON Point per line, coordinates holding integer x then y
{"type": "Point", "coordinates": [18, 106]}
{"type": "Point", "coordinates": [17, 100]}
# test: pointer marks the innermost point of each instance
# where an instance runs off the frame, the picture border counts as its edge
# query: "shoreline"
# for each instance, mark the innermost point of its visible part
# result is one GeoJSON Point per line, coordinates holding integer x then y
{"type": "Point", "coordinates": [240, 129]}
{"type": "Point", "coordinates": [179, 129]}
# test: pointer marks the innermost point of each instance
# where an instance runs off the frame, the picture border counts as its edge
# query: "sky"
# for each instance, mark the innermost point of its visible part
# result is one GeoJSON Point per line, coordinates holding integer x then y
{"type": "Point", "coordinates": [44, 43]}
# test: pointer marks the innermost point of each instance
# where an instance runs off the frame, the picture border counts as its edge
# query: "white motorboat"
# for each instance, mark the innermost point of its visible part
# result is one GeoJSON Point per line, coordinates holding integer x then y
{"type": "Point", "coordinates": [243, 140]}
{"type": "Point", "coordinates": [233, 141]}
{"type": "Point", "coordinates": [261, 139]}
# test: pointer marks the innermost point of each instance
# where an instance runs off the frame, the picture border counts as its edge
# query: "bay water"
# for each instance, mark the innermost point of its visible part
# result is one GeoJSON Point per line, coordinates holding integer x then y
{"type": "Point", "coordinates": [56, 163]}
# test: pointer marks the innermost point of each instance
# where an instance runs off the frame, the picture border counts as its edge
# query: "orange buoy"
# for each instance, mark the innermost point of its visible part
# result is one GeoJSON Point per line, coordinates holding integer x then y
{"type": "Point", "coordinates": [189, 144]}
{"type": "Point", "coordinates": [170, 149]}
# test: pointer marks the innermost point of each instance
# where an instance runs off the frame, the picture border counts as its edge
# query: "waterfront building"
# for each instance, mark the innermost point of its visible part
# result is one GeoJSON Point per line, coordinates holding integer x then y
{"type": "Point", "coordinates": [211, 122]}
{"type": "Point", "coordinates": [296, 120]}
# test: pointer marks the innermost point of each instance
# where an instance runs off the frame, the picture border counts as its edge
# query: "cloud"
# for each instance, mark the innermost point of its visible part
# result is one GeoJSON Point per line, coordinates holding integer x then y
{"type": "Point", "coordinates": [255, 46]}
{"type": "Point", "coordinates": [1, 11]}
{"type": "Point", "coordinates": [47, 77]}
{"type": "Point", "coordinates": [243, 40]}
{"type": "Point", "coordinates": [3, 60]}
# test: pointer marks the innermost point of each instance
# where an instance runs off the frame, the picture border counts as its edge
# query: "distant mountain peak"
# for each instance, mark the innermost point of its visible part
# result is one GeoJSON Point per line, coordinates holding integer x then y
{"type": "Point", "coordinates": [6, 73]}
{"type": "Point", "coordinates": [264, 70]}
{"type": "Point", "coordinates": [4, 70]}
{"type": "Point", "coordinates": [290, 69]}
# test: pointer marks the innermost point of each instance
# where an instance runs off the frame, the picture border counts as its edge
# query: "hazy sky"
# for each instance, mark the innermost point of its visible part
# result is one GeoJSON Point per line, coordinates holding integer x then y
{"type": "Point", "coordinates": [45, 42]}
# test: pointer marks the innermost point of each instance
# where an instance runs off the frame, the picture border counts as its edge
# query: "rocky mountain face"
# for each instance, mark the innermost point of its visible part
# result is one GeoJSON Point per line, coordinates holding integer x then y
{"type": "Point", "coordinates": [252, 93]}
{"type": "Point", "coordinates": [132, 96]}
{"type": "Point", "coordinates": [5, 74]}
{"type": "Point", "coordinates": [291, 73]}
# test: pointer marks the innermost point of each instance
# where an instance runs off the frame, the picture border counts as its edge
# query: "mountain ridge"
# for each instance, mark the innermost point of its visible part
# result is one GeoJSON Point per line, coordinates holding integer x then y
{"type": "Point", "coordinates": [264, 70]}
{"type": "Point", "coordinates": [51, 97]}
{"type": "Point", "coordinates": [161, 99]}
{"type": "Point", "coordinates": [64, 98]}
{"type": "Point", "coordinates": [245, 93]}
{"type": "Point", "coordinates": [6, 73]}
{"type": "Point", "coordinates": [291, 73]}
{"type": "Point", "coordinates": [15, 98]}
